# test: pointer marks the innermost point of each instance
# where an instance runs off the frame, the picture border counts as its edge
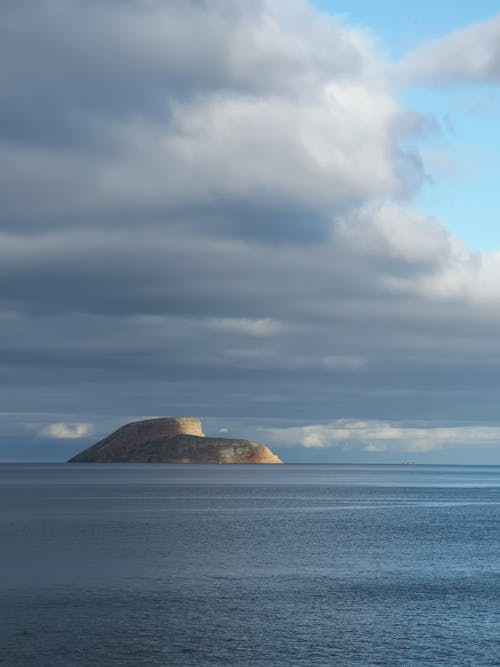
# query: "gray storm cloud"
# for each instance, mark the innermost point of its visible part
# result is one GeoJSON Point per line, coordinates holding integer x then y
{"type": "Point", "coordinates": [206, 210]}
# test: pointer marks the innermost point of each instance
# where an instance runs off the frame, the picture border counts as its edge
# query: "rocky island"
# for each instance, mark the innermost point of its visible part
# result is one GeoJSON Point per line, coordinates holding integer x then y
{"type": "Point", "coordinates": [172, 440]}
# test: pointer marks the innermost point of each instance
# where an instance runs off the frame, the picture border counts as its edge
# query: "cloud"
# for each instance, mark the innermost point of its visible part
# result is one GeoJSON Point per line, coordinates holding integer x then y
{"type": "Point", "coordinates": [421, 256]}
{"type": "Point", "coordinates": [66, 431]}
{"type": "Point", "coordinates": [250, 327]}
{"type": "Point", "coordinates": [210, 213]}
{"type": "Point", "coordinates": [176, 118]}
{"type": "Point", "coordinates": [401, 232]}
{"type": "Point", "coordinates": [334, 362]}
{"type": "Point", "coordinates": [376, 436]}
{"type": "Point", "coordinates": [468, 55]}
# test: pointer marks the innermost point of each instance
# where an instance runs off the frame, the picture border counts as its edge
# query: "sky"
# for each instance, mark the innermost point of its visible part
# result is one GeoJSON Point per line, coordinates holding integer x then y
{"type": "Point", "coordinates": [280, 217]}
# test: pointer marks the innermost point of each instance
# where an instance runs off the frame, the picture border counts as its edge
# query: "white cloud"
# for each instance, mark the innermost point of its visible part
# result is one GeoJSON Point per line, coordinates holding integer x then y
{"type": "Point", "coordinates": [372, 447]}
{"type": "Point", "coordinates": [469, 278]}
{"type": "Point", "coordinates": [66, 431]}
{"type": "Point", "coordinates": [376, 436]}
{"type": "Point", "coordinates": [471, 54]}
{"type": "Point", "coordinates": [420, 256]}
{"type": "Point", "coordinates": [246, 326]}
{"type": "Point", "coordinates": [402, 232]}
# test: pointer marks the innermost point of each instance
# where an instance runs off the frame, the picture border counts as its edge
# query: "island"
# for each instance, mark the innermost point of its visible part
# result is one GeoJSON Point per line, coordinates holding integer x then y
{"type": "Point", "coordinates": [172, 440]}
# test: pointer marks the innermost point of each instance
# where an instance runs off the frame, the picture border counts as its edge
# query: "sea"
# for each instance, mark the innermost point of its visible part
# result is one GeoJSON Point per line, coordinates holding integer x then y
{"type": "Point", "coordinates": [245, 565]}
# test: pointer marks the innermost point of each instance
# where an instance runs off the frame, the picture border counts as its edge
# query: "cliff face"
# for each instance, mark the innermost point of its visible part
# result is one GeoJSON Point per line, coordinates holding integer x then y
{"type": "Point", "coordinates": [172, 440]}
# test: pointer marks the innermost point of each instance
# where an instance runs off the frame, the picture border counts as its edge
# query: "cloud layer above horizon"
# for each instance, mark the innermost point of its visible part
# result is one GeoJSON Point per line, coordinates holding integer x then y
{"type": "Point", "coordinates": [208, 208]}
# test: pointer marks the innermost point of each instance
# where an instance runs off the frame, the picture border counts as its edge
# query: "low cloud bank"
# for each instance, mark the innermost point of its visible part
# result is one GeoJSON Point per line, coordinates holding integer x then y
{"type": "Point", "coordinates": [66, 431]}
{"type": "Point", "coordinates": [375, 436]}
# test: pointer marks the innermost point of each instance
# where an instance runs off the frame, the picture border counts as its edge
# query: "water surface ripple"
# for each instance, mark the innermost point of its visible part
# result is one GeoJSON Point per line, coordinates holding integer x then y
{"type": "Point", "coordinates": [248, 566]}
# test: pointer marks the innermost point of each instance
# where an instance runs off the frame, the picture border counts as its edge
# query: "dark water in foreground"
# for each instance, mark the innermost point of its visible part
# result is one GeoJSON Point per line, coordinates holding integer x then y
{"type": "Point", "coordinates": [297, 565]}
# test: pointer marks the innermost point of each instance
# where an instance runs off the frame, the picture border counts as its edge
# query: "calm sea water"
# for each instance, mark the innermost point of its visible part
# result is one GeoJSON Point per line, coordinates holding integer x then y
{"type": "Point", "coordinates": [294, 565]}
